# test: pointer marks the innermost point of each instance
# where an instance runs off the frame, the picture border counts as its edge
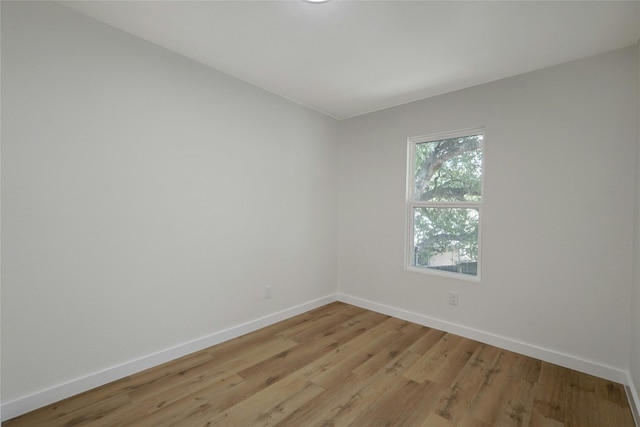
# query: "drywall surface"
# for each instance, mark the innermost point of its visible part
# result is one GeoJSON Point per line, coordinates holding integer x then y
{"type": "Point", "coordinates": [634, 362]}
{"type": "Point", "coordinates": [558, 204]}
{"type": "Point", "coordinates": [147, 200]}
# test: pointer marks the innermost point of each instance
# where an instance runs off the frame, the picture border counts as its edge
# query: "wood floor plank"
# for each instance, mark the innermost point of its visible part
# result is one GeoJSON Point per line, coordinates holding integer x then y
{"type": "Point", "coordinates": [94, 412]}
{"type": "Point", "coordinates": [435, 420]}
{"type": "Point", "coordinates": [366, 320]}
{"type": "Point", "coordinates": [426, 341]}
{"type": "Point", "coordinates": [409, 328]}
{"type": "Point", "coordinates": [586, 404]}
{"type": "Point", "coordinates": [145, 412]}
{"type": "Point", "coordinates": [214, 369]}
{"type": "Point", "coordinates": [367, 412]}
{"type": "Point", "coordinates": [303, 331]}
{"type": "Point", "coordinates": [454, 401]}
{"type": "Point", "coordinates": [513, 411]}
{"type": "Point", "coordinates": [298, 357]}
{"type": "Point", "coordinates": [539, 420]}
{"type": "Point", "coordinates": [329, 405]}
{"type": "Point", "coordinates": [246, 342]}
{"type": "Point", "coordinates": [206, 402]}
{"type": "Point", "coordinates": [486, 403]}
{"type": "Point", "coordinates": [331, 374]}
{"type": "Point", "coordinates": [442, 360]}
{"type": "Point", "coordinates": [341, 365]}
{"type": "Point", "coordinates": [550, 392]}
{"type": "Point", "coordinates": [264, 373]}
{"type": "Point", "coordinates": [448, 370]}
{"type": "Point", "coordinates": [57, 411]}
{"type": "Point", "coordinates": [388, 353]}
{"type": "Point", "coordinates": [328, 361]}
{"type": "Point", "coordinates": [266, 407]}
{"type": "Point", "coordinates": [407, 405]}
{"type": "Point", "coordinates": [351, 397]}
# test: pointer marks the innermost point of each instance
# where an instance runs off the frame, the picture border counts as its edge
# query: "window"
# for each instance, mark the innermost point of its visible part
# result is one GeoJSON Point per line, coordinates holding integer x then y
{"type": "Point", "coordinates": [444, 196]}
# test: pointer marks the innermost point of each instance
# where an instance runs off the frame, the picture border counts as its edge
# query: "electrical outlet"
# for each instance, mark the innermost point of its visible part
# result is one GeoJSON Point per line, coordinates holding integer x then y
{"type": "Point", "coordinates": [453, 298]}
{"type": "Point", "coordinates": [267, 292]}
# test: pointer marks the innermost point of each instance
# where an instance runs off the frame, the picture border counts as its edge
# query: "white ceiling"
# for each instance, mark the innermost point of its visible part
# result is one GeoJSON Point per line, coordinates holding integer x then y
{"type": "Point", "coordinates": [346, 58]}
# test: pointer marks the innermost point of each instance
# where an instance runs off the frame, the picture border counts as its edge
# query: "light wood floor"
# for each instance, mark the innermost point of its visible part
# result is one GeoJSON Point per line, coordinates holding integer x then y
{"type": "Point", "coordinates": [341, 365]}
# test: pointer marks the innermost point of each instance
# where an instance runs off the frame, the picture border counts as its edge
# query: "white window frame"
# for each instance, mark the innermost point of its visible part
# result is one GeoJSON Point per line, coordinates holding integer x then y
{"type": "Point", "coordinates": [412, 204]}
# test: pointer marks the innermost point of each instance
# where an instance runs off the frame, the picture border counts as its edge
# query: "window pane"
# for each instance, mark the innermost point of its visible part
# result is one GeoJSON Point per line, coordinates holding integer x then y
{"type": "Point", "coordinates": [446, 239]}
{"type": "Point", "coordinates": [449, 170]}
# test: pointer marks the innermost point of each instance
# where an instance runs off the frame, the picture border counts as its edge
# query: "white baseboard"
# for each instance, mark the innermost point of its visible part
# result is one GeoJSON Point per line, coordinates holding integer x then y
{"type": "Point", "coordinates": [53, 394]}
{"type": "Point", "coordinates": [547, 355]}
{"type": "Point", "coordinates": [634, 398]}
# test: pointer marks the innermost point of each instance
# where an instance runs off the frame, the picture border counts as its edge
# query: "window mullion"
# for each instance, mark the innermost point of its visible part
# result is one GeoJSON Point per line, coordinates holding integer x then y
{"type": "Point", "coordinates": [421, 204]}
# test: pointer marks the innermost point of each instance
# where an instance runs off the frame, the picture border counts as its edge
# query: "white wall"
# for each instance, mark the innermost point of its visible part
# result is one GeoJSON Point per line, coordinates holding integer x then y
{"type": "Point", "coordinates": [634, 361]}
{"type": "Point", "coordinates": [558, 207]}
{"type": "Point", "coordinates": [146, 199]}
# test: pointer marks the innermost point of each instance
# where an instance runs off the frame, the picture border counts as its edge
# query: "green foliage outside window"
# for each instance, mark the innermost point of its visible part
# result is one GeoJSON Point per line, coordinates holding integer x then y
{"type": "Point", "coordinates": [446, 197]}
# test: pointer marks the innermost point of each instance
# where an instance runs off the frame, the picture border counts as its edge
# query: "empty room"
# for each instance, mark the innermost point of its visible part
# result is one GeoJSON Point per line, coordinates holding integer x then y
{"type": "Point", "coordinates": [303, 213]}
